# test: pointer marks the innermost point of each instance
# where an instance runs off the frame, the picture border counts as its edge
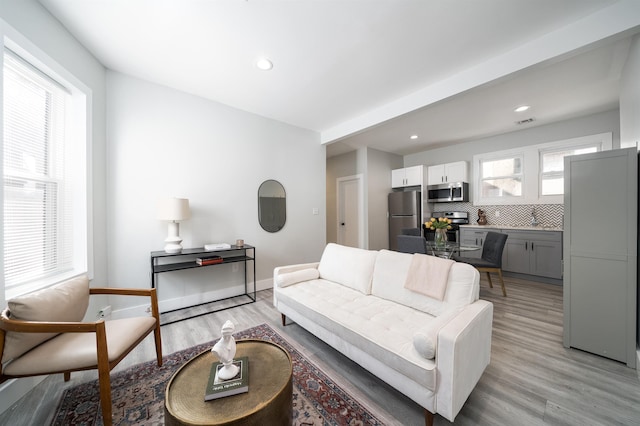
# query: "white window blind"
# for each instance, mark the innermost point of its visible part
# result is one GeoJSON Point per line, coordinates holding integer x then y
{"type": "Point", "coordinates": [38, 231]}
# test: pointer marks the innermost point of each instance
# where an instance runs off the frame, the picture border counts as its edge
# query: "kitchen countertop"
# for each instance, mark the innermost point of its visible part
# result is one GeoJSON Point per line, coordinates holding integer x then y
{"type": "Point", "coordinates": [515, 227]}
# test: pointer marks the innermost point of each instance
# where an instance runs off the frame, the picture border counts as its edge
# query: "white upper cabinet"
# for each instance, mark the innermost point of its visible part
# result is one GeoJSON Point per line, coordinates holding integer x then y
{"type": "Point", "coordinates": [450, 172]}
{"type": "Point", "coordinates": [409, 176]}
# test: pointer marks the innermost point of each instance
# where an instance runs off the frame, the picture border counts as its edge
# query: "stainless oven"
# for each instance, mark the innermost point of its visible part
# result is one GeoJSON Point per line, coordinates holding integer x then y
{"type": "Point", "coordinates": [457, 219]}
{"type": "Point", "coordinates": [448, 192]}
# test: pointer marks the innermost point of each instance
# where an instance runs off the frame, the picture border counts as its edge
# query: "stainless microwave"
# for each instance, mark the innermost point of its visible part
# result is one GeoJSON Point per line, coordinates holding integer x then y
{"type": "Point", "coordinates": [448, 192]}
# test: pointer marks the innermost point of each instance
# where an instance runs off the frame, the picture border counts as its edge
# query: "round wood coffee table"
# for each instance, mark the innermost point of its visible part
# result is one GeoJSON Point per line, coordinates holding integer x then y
{"type": "Point", "coordinates": [267, 402]}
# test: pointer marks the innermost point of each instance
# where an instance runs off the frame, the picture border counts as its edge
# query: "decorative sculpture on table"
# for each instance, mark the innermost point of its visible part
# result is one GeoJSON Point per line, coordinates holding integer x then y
{"type": "Point", "coordinates": [482, 217]}
{"type": "Point", "coordinates": [225, 348]}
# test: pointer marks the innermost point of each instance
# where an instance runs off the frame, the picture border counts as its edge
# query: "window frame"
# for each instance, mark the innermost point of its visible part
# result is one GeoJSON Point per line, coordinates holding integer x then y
{"type": "Point", "coordinates": [511, 155]}
{"type": "Point", "coordinates": [78, 129]}
{"type": "Point", "coordinates": [532, 164]}
{"type": "Point", "coordinates": [568, 147]}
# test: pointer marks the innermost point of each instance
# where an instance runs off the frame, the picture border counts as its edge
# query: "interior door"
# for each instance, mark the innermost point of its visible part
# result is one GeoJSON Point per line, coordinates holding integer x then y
{"type": "Point", "coordinates": [350, 211]}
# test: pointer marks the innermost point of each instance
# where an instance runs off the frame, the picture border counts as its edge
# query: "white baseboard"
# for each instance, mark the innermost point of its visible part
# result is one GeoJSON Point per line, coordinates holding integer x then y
{"type": "Point", "coordinates": [190, 300]}
{"type": "Point", "coordinates": [264, 284]}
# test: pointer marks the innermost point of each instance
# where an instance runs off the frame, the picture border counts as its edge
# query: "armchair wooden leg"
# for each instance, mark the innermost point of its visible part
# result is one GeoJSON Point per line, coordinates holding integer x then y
{"type": "Point", "coordinates": [428, 417]}
{"type": "Point", "coordinates": [155, 312]}
{"type": "Point", "coordinates": [105, 396]}
{"type": "Point", "coordinates": [67, 376]}
{"type": "Point", "coordinates": [284, 319]}
{"type": "Point", "coordinates": [158, 340]}
{"type": "Point", "coordinates": [104, 378]}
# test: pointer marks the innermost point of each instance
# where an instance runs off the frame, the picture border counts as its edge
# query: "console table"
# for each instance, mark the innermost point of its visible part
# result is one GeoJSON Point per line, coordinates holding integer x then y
{"type": "Point", "coordinates": [187, 260]}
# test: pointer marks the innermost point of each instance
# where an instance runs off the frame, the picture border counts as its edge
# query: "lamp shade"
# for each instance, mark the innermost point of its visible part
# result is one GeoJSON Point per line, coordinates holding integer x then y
{"type": "Point", "coordinates": [173, 209]}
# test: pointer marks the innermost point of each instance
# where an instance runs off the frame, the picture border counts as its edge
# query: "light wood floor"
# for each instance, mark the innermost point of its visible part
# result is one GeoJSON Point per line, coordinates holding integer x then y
{"type": "Point", "coordinates": [532, 379]}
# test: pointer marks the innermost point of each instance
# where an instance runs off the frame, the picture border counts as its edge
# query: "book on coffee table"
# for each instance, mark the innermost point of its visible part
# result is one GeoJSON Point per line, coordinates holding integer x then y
{"type": "Point", "coordinates": [217, 388]}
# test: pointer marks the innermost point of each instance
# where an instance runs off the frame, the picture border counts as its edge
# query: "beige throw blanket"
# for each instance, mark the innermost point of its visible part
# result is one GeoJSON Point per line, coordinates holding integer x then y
{"type": "Point", "coordinates": [428, 275]}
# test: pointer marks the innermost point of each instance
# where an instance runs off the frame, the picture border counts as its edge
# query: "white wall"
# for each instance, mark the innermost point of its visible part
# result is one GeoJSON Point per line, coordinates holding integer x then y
{"type": "Point", "coordinates": [375, 166]}
{"type": "Point", "coordinates": [164, 143]}
{"type": "Point", "coordinates": [630, 99]}
{"type": "Point", "coordinates": [36, 29]}
{"type": "Point", "coordinates": [337, 167]}
{"type": "Point", "coordinates": [378, 184]}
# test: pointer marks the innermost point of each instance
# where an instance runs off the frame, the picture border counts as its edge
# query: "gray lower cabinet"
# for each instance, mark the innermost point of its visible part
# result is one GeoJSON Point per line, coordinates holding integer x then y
{"type": "Point", "coordinates": [473, 237]}
{"type": "Point", "coordinates": [533, 252]}
{"type": "Point", "coordinates": [526, 252]}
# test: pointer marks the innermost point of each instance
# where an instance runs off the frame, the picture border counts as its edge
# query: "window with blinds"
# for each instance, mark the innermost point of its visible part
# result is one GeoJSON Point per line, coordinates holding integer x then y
{"type": "Point", "coordinates": [38, 221]}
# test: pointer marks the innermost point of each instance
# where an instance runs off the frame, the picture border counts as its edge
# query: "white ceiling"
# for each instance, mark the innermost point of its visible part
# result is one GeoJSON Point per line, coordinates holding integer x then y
{"type": "Point", "coordinates": [372, 72]}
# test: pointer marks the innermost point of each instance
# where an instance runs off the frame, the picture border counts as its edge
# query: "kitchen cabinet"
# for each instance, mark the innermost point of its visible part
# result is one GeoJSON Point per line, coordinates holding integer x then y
{"type": "Point", "coordinates": [525, 252]}
{"type": "Point", "coordinates": [600, 276]}
{"type": "Point", "coordinates": [449, 172]}
{"type": "Point", "coordinates": [474, 237]}
{"type": "Point", "coordinates": [534, 253]}
{"type": "Point", "coordinates": [409, 176]}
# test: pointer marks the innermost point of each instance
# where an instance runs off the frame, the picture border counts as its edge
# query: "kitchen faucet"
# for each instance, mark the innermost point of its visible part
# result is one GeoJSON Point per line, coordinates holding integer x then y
{"type": "Point", "coordinates": [534, 222]}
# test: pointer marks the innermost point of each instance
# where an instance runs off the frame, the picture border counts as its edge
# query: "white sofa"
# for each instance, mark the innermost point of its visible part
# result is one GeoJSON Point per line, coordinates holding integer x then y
{"type": "Point", "coordinates": [433, 351]}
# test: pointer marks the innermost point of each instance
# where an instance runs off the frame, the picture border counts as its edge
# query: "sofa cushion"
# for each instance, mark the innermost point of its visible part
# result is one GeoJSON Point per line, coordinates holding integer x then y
{"type": "Point", "coordinates": [349, 266]}
{"type": "Point", "coordinates": [69, 351]}
{"type": "Point", "coordinates": [379, 327]}
{"type": "Point", "coordinates": [284, 280]}
{"type": "Point", "coordinates": [390, 275]}
{"type": "Point", "coordinates": [65, 302]}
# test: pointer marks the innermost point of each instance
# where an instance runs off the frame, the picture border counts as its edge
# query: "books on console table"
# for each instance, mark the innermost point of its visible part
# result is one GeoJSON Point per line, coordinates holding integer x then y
{"type": "Point", "coordinates": [209, 260]}
{"type": "Point", "coordinates": [217, 246]}
{"type": "Point", "coordinates": [217, 388]}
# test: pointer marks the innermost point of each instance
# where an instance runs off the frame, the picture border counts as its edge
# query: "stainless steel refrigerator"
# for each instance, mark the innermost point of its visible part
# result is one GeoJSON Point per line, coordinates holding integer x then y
{"type": "Point", "coordinates": [404, 212]}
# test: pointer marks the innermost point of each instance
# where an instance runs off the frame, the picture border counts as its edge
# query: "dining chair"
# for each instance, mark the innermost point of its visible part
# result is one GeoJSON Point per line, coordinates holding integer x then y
{"type": "Point", "coordinates": [412, 244]}
{"type": "Point", "coordinates": [491, 260]}
{"type": "Point", "coordinates": [43, 333]}
{"type": "Point", "coordinates": [411, 231]}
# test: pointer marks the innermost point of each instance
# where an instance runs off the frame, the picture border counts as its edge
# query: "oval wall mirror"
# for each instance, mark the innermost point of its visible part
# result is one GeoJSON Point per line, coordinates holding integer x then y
{"type": "Point", "coordinates": [272, 205]}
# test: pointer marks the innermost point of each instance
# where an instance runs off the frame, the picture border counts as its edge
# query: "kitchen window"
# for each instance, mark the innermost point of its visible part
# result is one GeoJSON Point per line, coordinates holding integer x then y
{"type": "Point", "coordinates": [531, 174]}
{"type": "Point", "coordinates": [44, 171]}
{"type": "Point", "coordinates": [501, 177]}
{"type": "Point", "coordinates": [552, 167]}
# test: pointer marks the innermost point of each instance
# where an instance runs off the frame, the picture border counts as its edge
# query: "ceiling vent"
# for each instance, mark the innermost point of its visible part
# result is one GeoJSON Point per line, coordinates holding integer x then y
{"type": "Point", "coordinates": [526, 120]}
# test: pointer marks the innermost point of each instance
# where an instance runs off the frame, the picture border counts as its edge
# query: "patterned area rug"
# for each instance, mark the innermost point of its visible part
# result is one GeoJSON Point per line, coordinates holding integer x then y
{"type": "Point", "coordinates": [138, 392]}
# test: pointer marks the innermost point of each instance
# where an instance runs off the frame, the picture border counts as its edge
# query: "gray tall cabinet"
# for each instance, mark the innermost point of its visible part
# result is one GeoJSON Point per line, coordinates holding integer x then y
{"type": "Point", "coordinates": [600, 253]}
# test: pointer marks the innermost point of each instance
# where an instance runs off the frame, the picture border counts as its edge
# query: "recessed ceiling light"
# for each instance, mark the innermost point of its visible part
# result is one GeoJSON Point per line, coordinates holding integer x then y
{"type": "Point", "coordinates": [264, 64]}
{"type": "Point", "coordinates": [414, 137]}
{"type": "Point", "coordinates": [522, 108]}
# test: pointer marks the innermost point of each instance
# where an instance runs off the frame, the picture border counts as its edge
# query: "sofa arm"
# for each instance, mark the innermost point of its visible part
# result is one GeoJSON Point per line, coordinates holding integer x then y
{"type": "Point", "coordinates": [293, 268]}
{"type": "Point", "coordinates": [463, 353]}
{"type": "Point", "coordinates": [288, 269]}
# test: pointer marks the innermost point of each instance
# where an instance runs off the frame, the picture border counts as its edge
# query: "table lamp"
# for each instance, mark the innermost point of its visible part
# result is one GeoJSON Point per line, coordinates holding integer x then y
{"type": "Point", "coordinates": [173, 210]}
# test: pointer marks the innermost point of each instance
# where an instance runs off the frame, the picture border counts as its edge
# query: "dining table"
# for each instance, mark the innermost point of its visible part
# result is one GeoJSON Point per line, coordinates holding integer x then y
{"type": "Point", "coordinates": [448, 249]}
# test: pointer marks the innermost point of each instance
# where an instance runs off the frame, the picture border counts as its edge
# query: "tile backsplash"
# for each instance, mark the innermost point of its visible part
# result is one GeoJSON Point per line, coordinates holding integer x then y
{"type": "Point", "coordinates": [550, 215]}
